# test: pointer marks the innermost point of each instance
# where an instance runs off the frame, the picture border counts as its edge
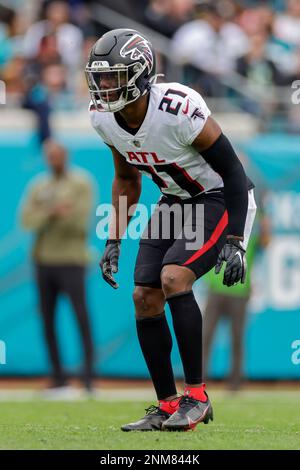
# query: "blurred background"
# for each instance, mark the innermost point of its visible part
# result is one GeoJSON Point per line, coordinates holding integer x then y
{"type": "Point", "coordinates": [244, 57]}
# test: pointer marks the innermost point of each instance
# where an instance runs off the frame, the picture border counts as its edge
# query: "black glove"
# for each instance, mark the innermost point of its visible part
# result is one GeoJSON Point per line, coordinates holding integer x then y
{"type": "Point", "coordinates": [234, 256]}
{"type": "Point", "coordinates": [109, 261]}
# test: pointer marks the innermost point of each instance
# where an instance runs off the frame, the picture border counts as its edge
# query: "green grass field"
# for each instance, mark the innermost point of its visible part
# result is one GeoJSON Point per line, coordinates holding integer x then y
{"type": "Point", "coordinates": [250, 420]}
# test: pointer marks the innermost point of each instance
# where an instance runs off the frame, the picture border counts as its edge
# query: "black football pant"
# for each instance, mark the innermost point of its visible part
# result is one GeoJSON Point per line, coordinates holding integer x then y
{"type": "Point", "coordinates": [69, 280]}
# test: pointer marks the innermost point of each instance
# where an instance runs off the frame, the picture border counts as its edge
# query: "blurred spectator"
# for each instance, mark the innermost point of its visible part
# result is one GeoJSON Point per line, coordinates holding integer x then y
{"type": "Point", "coordinates": [270, 62]}
{"type": "Point", "coordinates": [227, 36]}
{"type": "Point", "coordinates": [47, 83]}
{"type": "Point", "coordinates": [13, 76]}
{"type": "Point", "coordinates": [284, 48]}
{"type": "Point", "coordinates": [210, 43]}
{"type": "Point", "coordinates": [287, 24]}
{"type": "Point", "coordinates": [166, 16]}
{"type": "Point", "coordinates": [82, 15]}
{"type": "Point", "coordinates": [255, 65]}
{"type": "Point", "coordinates": [261, 74]}
{"type": "Point", "coordinates": [36, 97]}
{"type": "Point", "coordinates": [231, 303]}
{"type": "Point", "coordinates": [262, 20]}
{"type": "Point", "coordinates": [54, 78]}
{"type": "Point", "coordinates": [57, 24]}
{"type": "Point", "coordinates": [11, 30]}
{"type": "Point", "coordinates": [256, 19]}
{"type": "Point", "coordinates": [57, 210]}
{"type": "Point", "coordinates": [11, 59]}
{"type": "Point", "coordinates": [6, 18]}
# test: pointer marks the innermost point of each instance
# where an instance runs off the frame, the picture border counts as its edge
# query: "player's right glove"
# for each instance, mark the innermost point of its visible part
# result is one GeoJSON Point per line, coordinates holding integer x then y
{"type": "Point", "coordinates": [109, 262]}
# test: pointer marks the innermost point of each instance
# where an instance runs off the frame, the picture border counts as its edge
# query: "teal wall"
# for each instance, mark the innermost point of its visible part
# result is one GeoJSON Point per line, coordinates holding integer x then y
{"type": "Point", "coordinates": [274, 316]}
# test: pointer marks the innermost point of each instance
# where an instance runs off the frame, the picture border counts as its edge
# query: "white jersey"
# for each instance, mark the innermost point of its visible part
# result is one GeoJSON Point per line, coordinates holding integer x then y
{"type": "Point", "coordinates": [161, 148]}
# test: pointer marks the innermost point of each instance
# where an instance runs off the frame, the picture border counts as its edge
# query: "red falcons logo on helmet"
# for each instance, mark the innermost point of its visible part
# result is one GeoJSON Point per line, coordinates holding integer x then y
{"type": "Point", "coordinates": [138, 47]}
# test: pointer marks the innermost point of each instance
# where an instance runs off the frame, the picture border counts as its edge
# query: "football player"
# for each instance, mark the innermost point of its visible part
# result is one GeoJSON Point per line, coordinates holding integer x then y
{"type": "Point", "coordinates": [165, 131]}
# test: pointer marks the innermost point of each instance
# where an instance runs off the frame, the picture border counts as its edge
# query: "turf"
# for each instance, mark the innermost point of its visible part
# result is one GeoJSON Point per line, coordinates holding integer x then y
{"type": "Point", "coordinates": [256, 420]}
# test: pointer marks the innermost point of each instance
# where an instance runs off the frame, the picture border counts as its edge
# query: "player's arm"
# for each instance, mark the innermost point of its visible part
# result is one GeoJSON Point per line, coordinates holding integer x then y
{"type": "Point", "coordinates": [218, 152]}
{"type": "Point", "coordinates": [127, 182]}
{"type": "Point", "coordinates": [34, 215]}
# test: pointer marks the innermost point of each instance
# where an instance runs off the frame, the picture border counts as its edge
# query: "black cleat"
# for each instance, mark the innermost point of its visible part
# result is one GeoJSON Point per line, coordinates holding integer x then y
{"type": "Point", "coordinates": [152, 421]}
{"type": "Point", "coordinates": [189, 414]}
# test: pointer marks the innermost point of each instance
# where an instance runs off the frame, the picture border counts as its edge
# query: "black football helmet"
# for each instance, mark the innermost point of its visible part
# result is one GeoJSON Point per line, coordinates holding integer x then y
{"type": "Point", "coordinates": [120, 69]}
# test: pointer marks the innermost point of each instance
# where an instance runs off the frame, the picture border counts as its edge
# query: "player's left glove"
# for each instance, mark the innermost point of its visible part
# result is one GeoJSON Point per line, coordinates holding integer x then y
{"type": "Point", "coordinates": [109, 262]}
{"type": "Point", "coordinates": [236, 267]}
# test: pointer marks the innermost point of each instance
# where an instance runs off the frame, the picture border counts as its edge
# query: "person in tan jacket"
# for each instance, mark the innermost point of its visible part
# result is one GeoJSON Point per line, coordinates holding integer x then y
{"type": "Point", "coordinates": [57, 209]}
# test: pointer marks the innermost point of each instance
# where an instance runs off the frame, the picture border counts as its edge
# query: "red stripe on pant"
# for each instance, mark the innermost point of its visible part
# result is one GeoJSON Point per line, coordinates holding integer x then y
{"type": "Point", "coordinates": [222, 224]}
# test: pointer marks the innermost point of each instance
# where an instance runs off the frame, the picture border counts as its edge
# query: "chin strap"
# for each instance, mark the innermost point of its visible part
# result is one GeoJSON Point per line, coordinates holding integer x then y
{"type": "Point", "coordinates": [153, 80]}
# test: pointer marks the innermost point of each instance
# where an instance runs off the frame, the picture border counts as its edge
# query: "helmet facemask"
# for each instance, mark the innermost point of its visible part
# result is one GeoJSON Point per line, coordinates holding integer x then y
{"type": "Point", "coordinates": [113, 87]}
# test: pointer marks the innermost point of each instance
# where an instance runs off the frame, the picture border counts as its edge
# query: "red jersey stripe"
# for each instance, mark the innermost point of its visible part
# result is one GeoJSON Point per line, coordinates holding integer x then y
{"type": "Point", "coordinates": [223, 222]}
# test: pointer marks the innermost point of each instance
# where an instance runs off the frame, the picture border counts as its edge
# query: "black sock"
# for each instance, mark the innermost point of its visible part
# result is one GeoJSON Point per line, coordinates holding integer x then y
{"type": "Point", "coordinates": [187, 321]}
{"type": "Point", "coordinates": [156, 344]}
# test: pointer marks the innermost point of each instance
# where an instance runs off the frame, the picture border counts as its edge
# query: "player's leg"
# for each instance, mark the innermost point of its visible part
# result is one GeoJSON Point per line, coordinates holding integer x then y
{"type": "Point", "coordinates": [155, 339]}
{"type": "Point", "coordinates": [156, 344]}
{"type": "Point", "coordinates": [154, 334]}
{"type": "Point", "coordinates": [177, 283]}
{"type": "Point", "coordinates": [195, 406]}
{"type": "Point", "coordinates": [181, 268]}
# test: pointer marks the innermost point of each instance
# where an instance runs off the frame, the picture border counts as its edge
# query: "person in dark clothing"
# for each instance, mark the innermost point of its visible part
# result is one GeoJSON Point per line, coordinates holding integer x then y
{"type": "Point", "coordinates": [57, 209]}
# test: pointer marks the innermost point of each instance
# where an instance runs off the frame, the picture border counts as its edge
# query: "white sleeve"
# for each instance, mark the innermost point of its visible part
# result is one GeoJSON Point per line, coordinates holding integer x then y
{"type": "Point", "coordinates": [185, 45]}
{"type": "Point", "coordinates": [96, 125]}
{"type": "Point", "coordinates": [193, 116]}
{"type": "Point", "coordinates": [32, 39]}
